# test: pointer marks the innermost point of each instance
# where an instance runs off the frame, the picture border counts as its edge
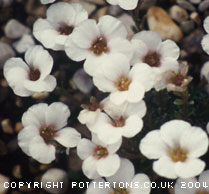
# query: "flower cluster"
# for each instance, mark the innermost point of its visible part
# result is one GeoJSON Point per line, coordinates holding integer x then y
{"type": "Point", "coordinates": [124, 71]}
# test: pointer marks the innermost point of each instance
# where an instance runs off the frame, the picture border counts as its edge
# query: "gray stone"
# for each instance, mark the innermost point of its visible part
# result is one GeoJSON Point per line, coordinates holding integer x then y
{"type": "Point", "coordinates": [186, 5]}
{"type": "Point", "coordinates": [6, 52]}
{"type": "Point", "coordinates": [14, 29]}
{"type": "Point", "coordinates": [203, 6]}
{"type": "Point", "coordinates": [187, 26]}
{"type": "Point", "coordinates": [178, 13]}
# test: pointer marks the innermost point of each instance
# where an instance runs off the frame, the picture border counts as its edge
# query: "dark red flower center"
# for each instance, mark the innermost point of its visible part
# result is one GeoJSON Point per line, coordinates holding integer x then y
{"type": "Point", "coordinates": [99, 46]}
{"type": "Point", "coordinates": [152, 59]}
{"type": "Point", "coordinates": [34, 74]}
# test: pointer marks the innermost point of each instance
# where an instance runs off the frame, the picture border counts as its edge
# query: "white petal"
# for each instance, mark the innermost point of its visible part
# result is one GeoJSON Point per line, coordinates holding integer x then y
{"type": "Point", "coordinates": [165, 168]}
{"type": "Point", "coordinates": [136, 92]}
{"type": "Point", "coordinates": [40, 151]}
{"type": "Point", "coordinates": [119, 97]}
{"type": "Point", "coordinates": [151, 39]}
{"type": "Point", "coordinates": [94, 187]}
{"type": "Point", "coordinates": [84, 35]}
{"type": "Point", "coordinates": [89, 168]}
{"type": "Point", "coordinates": [178, 186]}
{"type": "Point", "coordinates": [117, 28]}
{"type": "Point", "coordinates": [132, 126]}
{"type": "Point", "coordinates": [115, 66]}
{"type": "Point", "coordinates": [25, 136]}
{"type": "Point", "coordinates": [35, 115]}
{"type": "Point", "coordinates": [81, 13]}
{"type": "Point", "coordinates": [45, 33]}
{"type": "Point", "coordinates": [48, 84]}
{"type": "Point", "coordinates": [204, 178]}
{"type": "Point", "coordinates": [57, 114]}
{"type": "Point", "coordinates": [37, 57]}
{"type": "Point", "coordinates": [85, 148]}
{"type": "Point", "coordinates": [190, 168]}
{"type": "Point", "coordinates": [152, 145]}
{"type": "Point", "coordinates": [141, 178]}
{"type": "Point", "coordinates": [196, 141]}
{"type": "Point", "coordinates": [103, 84]}
{"type": "Point", "coordinates": [140, 50]}
{"type": "Point", "coordinates": [169, 48]}
{"type": "Point", "coordinates": [122, 46]}
{"type": "Point", "coordinates": [75, 52]}
{"type": "Point", "coordinates": [124, 174]}
{"type": "Point", "coordinates": [172, 131]}
{"type": "Point", "coordinates": [47, 1]}
{"type": "Point", "coordinates": [205, 43]}
{"type": "Point", "coordinates": [68, 137]}
{"type": "Point", "coordinates": [112, 148]}
{"type": "Point", "coordinates": [108, 166]}
{"type": "Point", "coordinates": [88, 117]}
{"type": "Point", "coordinates": [61, 12]}
{"type": "Point", "coordinates": [138, 109]}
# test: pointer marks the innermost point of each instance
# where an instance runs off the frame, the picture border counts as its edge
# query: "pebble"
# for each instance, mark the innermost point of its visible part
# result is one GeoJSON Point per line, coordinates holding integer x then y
{"type": "Point", "coordinates": [55, 175]}
{"type": "Point", "coordinates": [203, 6]}
{"type": "Point", "coordinates": [7, 127]}
{"type": "Point", "coordinates": [196, 18]}
{"type": "Point", "coordinates": [186, 5]}
{"type": "Point", "coordinates": [14, 29]}
{"type": "Point", "coordinates": [159, 21]}
{"type": "Point", "coordinates": [187, 26]}
{"type": "Point", "coordinates": [192, 43]}
{"type": "Point", "coordinates": [178, 13]}
{"type": "Point", "coordinates": [3, 179]}
{"type": "Point", "coordinates": [22, 45]}
{"type": "Point", "coordinates": [6, 52]}
{"type": "Point", "coordinates": [146, 4]}
{"type": "Point", "coordinates": [195, 1]}
{"type": "Point", "coordinates": [82, 81]}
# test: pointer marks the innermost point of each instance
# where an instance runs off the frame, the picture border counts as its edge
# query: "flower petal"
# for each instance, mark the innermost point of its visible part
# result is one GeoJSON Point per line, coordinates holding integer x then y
{"type": "Point", "coordinates": [169, 48]}
{"type": "Point", "coordinates": [68, 137]}
{"type": "Point", "coordinates": [108, 166]}
{"type": "Point", "coordinates": [42, 152]}
{"type": "Point", "coordinates": [85, 148]}
{"type": "Point", "coordinates": [185, 190]}
{"type": "Point", "coordinates": [57, 114]}
{"type": "Point", "coordinates": [142, 179]}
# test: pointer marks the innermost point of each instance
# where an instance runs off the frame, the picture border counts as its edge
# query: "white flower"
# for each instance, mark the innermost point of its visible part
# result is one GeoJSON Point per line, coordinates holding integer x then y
{"type": "Point", "coordinates": [99, 158]}
{"type": "Point", "coordinates": [33, 76]}
{"type": "Point", "coordinates": [61, 19]}
{"type": "Point", "coordinates": [43, 125]}
{"type": "Point", "coordinates": [123, 120]}
{"type": "Point", "coordinates": [174, 80]}
{"type": "Point", "coordinates": [122, 182]}
{"type": "Point", "coordinates": [47, 1]}
{"type": "Point", "coordinates": [96, 42]}
{"type": "Point", "coordinates": [123, 83]}
{"type": "Point", "coordinates": [124, 4]}
{"type": "Point", "coordinates": [149, 48]}
{"type": "Point", "coordinates": [193, 185]}
{"type": "Point", "coordinates": [205, 40]}
{"type": "Point", "coordinates": [90, 112]}
{"type": "Point", "coordinates": [177, 147]}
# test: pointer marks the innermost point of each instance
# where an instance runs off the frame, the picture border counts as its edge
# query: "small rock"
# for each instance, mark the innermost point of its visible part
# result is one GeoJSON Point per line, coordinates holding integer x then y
{"type": "Point", "coordinates": [6, 52]}
{"type": "Point", "coordinates": [18, 127]}
{"type": "Point", "coordinates": [5, 3]}
{"type": "Point", "coordinates": [14, 29]}
{"type": "Point", "coordinates": [4, 83]}
{"type": "Point", "coordinates": [192, 43]}
{"type": "Point", "coordinates": [187, 26]}
{"type": "Point", "coordinates": [159, 21]}
{"type": "Point", "coordinates": [178, 13]}
{"type": "Point", "coordinates": [6, 126]}
{"type": "Point", "coordinates": [3, 179]}
{"type": "Point", "coordinates": [128, 22]}
{"type": "Point", "coordinates": [55, 175]}
{"type": "Point", "coordinates": [195, 1]}
{"type": "Point", "coordinates": [40, 95]}
{"type": "Point", "coordinates": [146, 4]}
{"type": "Point", "coordinates": [17, 171]}
{"type": "Point", "coordinates": [203, 6]}
{"type": "Point", "coordinates": [82, 81]}
{"type": "Point", "coordinates": [196, 18]}
{"type": "Point", "coordinates": [114, 10]}
{"type": "Point", "coordinates": [98, 2]}
{"type": "Point", "coordinates": [186, 5]}
{"type": "Point", "coordinates": [24, 43]}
